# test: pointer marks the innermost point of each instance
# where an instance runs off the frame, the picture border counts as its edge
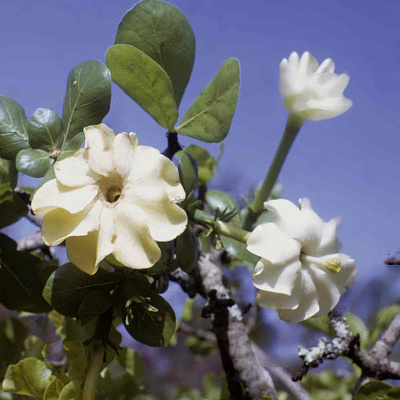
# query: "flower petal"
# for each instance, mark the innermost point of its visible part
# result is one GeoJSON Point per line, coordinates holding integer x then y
{"type": "Point", "coordinates": [294, 59]}
{"type": "Point", "coordinates": [58, 224]}
{"type": "Point", "coordinates": [81, 251]}
{"type": "Point", "coordinates": [279, 301]}
{"type": "Point", "coordinates": [123, 152]}
{"type": "Point", "coordinates": [308, 64]}
{"type": "Point", "coordinates": [276, 279]}
{"type": "Point", "coordinates": [166, 220]}
{"type": "Point", "coordinates": [327, 66]}
{"type": "Point", "coordinates": [149, 167]}
{"type": "Point", "coordinates": [134, 246]}
{"type": "Point", "coordinates": [107, 232]}
{"type": "Point", "coordinates": [308, 305]}
{"type": "Point", "coordinates": [54, 195]}
{"type": "Point", "coordinates": [271, 243]}
{"type": "Point", "coordinates": [99, 143]}
{"type": "Point", "coordinates": [74, 171]}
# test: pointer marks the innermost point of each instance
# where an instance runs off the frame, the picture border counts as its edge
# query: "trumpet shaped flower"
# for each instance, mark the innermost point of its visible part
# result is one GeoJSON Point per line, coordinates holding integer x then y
{"type": "Point", "coordinates": [301, 272]}
{"type": "Point", "coordinates": [112, 197]}
{"type": "Point", "coordinates": [311, 91]}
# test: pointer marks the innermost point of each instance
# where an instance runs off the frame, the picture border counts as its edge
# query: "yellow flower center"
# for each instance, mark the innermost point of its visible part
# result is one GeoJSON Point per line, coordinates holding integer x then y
{"type": "Point", "coordinates": [113, 194]}
{"type": "Point", "coordinates": [111, 188]}
{"type": "Point", "coordinates": [333, 265]}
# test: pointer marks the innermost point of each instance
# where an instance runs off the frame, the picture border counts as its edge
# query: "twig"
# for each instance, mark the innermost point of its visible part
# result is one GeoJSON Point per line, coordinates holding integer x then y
{"type": "Point", "coordinates": [375, 364]}
{"type": "Point", "coordinates": [202, 334]}
{"type": "Point", "coordinates": [383, 346]}
{"type": "Point", "coordinates": [36, 219]}
{"type": "Point", "coordinates": [173, 145]}
{"type": "Point", "coordinates": [186, 281]}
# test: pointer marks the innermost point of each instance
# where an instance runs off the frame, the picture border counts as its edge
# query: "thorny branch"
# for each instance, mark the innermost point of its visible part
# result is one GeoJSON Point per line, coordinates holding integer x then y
{"type": "Point", "coordinates": [374, 364]}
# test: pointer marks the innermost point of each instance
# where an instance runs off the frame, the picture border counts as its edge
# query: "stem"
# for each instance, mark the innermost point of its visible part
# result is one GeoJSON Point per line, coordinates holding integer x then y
{"type": "Point", "coordinates": [93, 372]}
{"type": "Point", "coordinates": [234, 232]}
{"type": "Point", "coordinates": [293, 126]}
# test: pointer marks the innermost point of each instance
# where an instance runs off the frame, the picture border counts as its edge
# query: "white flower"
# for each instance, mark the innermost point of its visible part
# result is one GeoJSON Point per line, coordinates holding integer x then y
{"type": "Point", "coordinates": [112, 197]}
{"type": "Point", "coordinates": [310, 91]}
{"type": "Point", "coordinates": [300, 273]}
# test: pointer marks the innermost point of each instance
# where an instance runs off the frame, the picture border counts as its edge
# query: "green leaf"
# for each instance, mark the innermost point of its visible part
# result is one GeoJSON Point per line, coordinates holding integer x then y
{"type": "Point", "coordinates": [141, 78]}
{"type": "Point", "coordinates": [357, 325]}
{"type": "Point", "coordinates": [12, 335]}
{"type": "Point", "coordinates": [377, 390]}
{"type": "Point", "coordinates": [187, 249]}
{"type": "Point", "coordinates": [95, 303]}
{"type": "Point", "coordinates": [34, 162]}
{"type": "Point", "coordinates": [321, 324]}
{"type": "Point", "coordinates": [67, 287]}
{"type": "Point", "coordinates": [13, 128]}
{"type": "Point", "coordinates": [132, 363]}
{"type": "Point", "coordinates": [22, 278]}
{"type": "Point", "coordinates": [72, 146]}
{"type": "Point", "coordinates": [77, 362]}
{"type": "Point", "coordinates": [88, 97]}
{"type": "Point", "coordinates": [210, 116]}
{"type": "Point", "coordinates": [71, 391]}
{"type": "Point", "coordinates": [219, 199]}
{"type": "Point", "coordinates": [34, 347]}
{"type": "Point", "coordinates": [188, 173]}
{"type": "Point", "coordinates": [238, 251]}
{"type": "Point", "coordinates": [53, 390]}
{"type": "Point", "coordinates": [45, 130]}
{"type": "Point", "coordinates": [30, 377]}
{"type": "Point", "coordinates": [206, 164]}
{"type": "Point", "coordinates": [383, 319]}
{"type": "Point", "coordinates": [327, 385]}
{"type": "Point", "coordinates": [162, 32]}
{"type": "Point", "coordinates": [12, 207]}
{"type": "Point", "coordinates": [148, 326]}
{"type": "Point", "coordinates": [122, 387]}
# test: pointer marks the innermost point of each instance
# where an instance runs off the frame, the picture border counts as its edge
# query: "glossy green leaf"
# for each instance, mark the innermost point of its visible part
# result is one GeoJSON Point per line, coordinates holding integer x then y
{"type": "Point", "coordinates": [377, 390]}
{"type": "Point", "coordinates": [132, 363]}
{"type": "Point", "coordinates": [95, 303]}
{"type": "Point", "coordinates": [12, 208]}
{"type": "Point", "coordinates": [12, 334]}
{"type": "Point", "coordinates": [206, 164]}
{"type": "Point", "coordinates": [221, 200]}
{"type": "Point", "coordinates": [30, 377]}
{"type": "Point", "coordinates": [22, 278]}
{"type": "Point", "coordinates": [383, 319]}
{"type": "Point", "coordinates": [162, 32]}
{"type": "Point", "coordinates": [321, 324]}
{"type": "Point", "coordinates": [45, 130]}
{"type": "Point", "coordinates": [328, 385]}
{"type": "Point", "coordinates": [357, 325]}
{"type": "Point", "coordinates": [53, 390]}
{"type": "Point", "coordinates": [188, 173]}
{"type": "Point", "coordinates": [72, 146]}
{"type": "Point", "coordinates": [187, 250]}
{"type": "Point", "coordinates": [71, 391]}
{"type": "Point", "coordinates": [68, 286]}
{"type": "Point", "coordinates": [13, 128]}
{"type": "Point", "coordinates": [88, 97]}
{"type": "Point", "coordinates": [151, 322]}
{"type": "Point", "coordinates": [141, 78]}
{"type": "Point", "coordinates": [239, 252]}
{"type": "Point", "coordinates": [210, 116]}
{"type": "Point", "coordinates": [34, 347]}
{"type": "Point", "coordinates": [34, 162]}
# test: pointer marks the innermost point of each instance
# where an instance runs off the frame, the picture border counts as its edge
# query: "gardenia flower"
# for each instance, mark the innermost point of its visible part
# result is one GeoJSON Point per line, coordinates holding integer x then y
{"type": "Point", "coordinates": [310, 91]}
{"type": "Point", "coordinates": [301, 273]}
{"type": "Point", "coordinates": [112, 197]}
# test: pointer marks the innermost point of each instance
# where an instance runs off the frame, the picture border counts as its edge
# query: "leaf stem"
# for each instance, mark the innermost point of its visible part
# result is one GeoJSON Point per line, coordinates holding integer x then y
{"type": "Point", "coordinates": [93, 372]}
{"type": "Point", "coordinates": [202, 218]}
{"type": "Point", "coordinates": [293, 126]}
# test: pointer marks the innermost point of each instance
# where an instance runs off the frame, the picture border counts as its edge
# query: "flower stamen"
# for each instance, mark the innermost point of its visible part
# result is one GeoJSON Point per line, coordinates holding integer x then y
{"type": "Point", "coordinates": [333, 265]}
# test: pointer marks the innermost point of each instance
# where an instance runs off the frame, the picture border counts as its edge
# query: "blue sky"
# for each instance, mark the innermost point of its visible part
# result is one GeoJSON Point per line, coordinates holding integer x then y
{"type": "Point", "coordinates": [348, 166]}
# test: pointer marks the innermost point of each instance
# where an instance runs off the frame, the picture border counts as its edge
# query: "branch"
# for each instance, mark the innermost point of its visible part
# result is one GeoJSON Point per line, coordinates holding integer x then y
{"type": "Point", "coordinates": [187, 282]}
{"type": "Point", "coordinates": [36, 219]}
{"type": "Point", "coordinates": [173, 145]}
{"type": "Point", "coordinates": [375, 364]}
{"type": "Point", "coordinates": [247, 379]}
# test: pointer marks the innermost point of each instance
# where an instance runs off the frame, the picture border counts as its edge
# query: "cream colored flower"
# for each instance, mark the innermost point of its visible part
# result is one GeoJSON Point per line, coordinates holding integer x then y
{"type": "Point", "coordinates": [301, 273]}
{"type": "Point", "coordinates": [112, 197]}
{"type": "Point", "coordinates": [310, 91]}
